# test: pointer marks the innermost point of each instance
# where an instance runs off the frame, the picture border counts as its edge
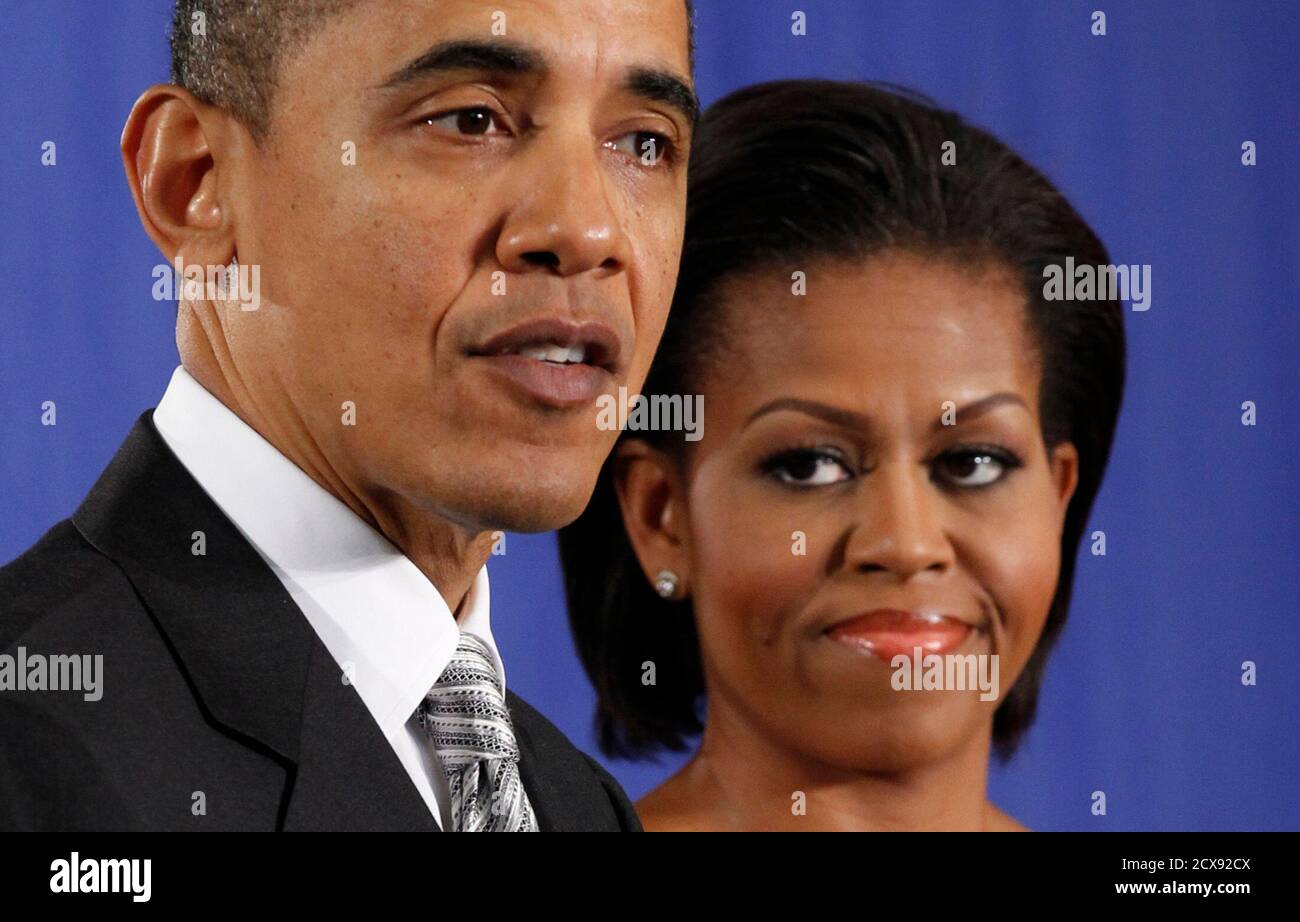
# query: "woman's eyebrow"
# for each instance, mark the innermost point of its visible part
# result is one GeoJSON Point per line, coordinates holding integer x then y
{"type": "Point", "coordinates": [980, 407]}
{"type": "Point", "coordinates": [848, 419]}
{"type": "Point", "coordinates": [851, 419]}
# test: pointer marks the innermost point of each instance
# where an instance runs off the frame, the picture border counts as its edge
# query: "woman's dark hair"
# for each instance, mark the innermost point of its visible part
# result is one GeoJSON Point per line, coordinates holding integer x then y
{"type": "Point", "coordinates": [795, 172]}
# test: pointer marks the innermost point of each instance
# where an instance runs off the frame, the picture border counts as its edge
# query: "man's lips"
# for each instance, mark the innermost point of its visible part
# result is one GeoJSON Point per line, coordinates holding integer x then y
{"type": "Point", "coordinates": [889, 632]}
{"type": "Point", "coordinates": [597, 342]}
{"type": "Point", "coordinates": [558, 362]}
{"type": "Point", "coordinates": [559, 386]}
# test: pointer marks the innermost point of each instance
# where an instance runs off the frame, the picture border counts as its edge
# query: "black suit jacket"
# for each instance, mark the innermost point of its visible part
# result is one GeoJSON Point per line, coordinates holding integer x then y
{"type": "Point", "coordinates": [215, 689]}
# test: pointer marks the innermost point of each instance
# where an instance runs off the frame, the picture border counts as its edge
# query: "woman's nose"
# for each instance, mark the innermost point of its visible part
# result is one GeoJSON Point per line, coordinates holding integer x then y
{"type": "Point", "coordinates": [899, 524]}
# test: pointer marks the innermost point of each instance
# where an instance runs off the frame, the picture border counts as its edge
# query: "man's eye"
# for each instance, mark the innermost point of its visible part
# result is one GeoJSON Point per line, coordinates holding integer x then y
{"type": "Point", "coordinates": [648, 146]}
{"type": "Point", "coordinates": [473, 121]}
{"type": "Point", "coordinates": [976, 467]}
{"type": "Point", "coordinates": [807, 468]}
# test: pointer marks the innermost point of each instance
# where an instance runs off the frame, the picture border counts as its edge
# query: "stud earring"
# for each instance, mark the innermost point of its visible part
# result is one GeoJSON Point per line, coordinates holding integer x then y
{"type": "Point", "coordinates": [666, 583]}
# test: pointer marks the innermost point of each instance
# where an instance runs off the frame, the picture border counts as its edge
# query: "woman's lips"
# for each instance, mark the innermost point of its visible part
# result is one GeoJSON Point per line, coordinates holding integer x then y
{"type": "Point", "coordinates": [889, 632]}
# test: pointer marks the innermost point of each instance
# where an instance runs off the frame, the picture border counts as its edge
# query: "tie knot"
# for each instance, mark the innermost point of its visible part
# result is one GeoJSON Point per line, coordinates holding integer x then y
{"type": "Point", "coordinates": [465, 712]}
{"type": "Point", "coordinates": [471, 665]}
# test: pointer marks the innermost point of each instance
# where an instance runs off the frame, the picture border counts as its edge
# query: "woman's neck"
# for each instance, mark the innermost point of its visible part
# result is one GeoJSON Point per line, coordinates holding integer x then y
{"type": "Point", "coordinates": [743, 779]}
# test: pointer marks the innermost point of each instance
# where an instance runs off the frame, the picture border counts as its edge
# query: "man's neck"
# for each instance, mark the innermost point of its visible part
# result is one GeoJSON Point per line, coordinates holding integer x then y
{"type": "Point", "coordinates": [448, 555]}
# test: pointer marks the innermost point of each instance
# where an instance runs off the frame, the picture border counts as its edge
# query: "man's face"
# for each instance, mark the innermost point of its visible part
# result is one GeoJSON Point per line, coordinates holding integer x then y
{"type": "Point", "coordinates": [507, 197]}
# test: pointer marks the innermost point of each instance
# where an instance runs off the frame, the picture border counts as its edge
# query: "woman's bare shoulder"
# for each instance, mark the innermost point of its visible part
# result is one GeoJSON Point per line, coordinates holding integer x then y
{"type": "Point", "coordinates": [998, 821]}
{"type": "Point", "coordinates": [668, 809]}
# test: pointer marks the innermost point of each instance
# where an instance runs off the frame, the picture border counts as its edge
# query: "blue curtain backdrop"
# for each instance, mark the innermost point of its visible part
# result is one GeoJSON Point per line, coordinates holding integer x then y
{"type": "Point", "coordinates": [1142, 128]}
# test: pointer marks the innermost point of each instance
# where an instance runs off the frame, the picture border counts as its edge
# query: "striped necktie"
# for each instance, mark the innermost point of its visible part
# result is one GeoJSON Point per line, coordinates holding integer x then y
{"type": "Point", "coordinates": [466, 718]}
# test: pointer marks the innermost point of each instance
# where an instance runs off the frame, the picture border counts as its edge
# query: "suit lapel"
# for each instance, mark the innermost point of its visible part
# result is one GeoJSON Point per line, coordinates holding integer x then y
{"type": "Point", "coordinates": [348, 778]}
{"type": "Point", "coordinates": [258, 669]}
{"type": "Point", "coordinates": [552, 771]}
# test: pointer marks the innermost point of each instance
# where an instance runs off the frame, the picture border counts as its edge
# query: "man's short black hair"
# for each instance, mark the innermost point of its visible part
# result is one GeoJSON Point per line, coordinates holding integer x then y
{"type": "Point", "coordinates": [801, 171]}
{"type": "Point", "coordinates": [228, 52]}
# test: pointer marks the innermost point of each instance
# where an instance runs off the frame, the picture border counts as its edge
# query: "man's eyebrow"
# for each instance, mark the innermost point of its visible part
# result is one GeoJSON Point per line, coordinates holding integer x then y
{"type": "Point", "coordinates": [665, 87]}
{"type": "Point", "coordinates": [462, 54]}
{"type": "Point", "coordinates": [505, 57]}
{"type": "Point", "coordinates": [849, 419]}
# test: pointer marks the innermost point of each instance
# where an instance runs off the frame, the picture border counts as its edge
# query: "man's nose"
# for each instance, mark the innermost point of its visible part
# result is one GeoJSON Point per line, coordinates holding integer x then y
{"type": "Point", "coordinates": [899, 523]}
{"type": "Point", "coordinates": [565, 218]}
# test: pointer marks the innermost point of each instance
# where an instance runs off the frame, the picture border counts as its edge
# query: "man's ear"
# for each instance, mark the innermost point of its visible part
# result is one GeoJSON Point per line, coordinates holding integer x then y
{"type": "Point", "coordinates": [652, 497]}
{"type": "Point", "coordinates": [167, 149]}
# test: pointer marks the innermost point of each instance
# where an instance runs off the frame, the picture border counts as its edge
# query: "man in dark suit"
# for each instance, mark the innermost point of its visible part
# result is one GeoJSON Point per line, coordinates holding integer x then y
{"type": "Point", "coordinates": [443, 233]}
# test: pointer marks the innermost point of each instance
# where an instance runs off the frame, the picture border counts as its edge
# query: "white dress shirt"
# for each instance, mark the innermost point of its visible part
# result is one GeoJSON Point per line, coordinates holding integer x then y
{"type": "Point", "coordinates": [381, 619]}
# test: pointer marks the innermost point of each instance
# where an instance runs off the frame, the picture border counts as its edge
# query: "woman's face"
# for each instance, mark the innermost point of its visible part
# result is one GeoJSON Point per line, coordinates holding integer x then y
{"type": "Point", "coordinates": [828, 486]}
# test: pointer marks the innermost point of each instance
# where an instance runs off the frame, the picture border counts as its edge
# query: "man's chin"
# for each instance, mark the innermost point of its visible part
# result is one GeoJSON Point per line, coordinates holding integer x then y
{"type": "Point", "coordinates": [544, 515]}
{"type": "Point", "coordinates": [522, 503]}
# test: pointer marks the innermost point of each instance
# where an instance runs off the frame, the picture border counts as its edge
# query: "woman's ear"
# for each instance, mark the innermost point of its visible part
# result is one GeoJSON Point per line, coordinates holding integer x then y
{"type": "Point", "coordinates": [652, 498]}
{"type": "Point", "coordinates": [1064, 464]}
{"type": "Point", "coordinates": [167, 150]}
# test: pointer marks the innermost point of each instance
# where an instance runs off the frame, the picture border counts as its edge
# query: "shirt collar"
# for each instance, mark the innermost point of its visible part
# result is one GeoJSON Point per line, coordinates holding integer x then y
{"type": "Point", "coordinates": [386, 625]}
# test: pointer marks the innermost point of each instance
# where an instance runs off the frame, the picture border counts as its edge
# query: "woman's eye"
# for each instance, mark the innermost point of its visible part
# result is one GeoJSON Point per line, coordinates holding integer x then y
{"type": "Point", "coordinates": [807, 468]}
{"type": "Point", "coordinates": [975, 467]}
{"type": "Point", "coordinates": [475, 121]}
{"type": "Point", "coordinates": [649, 146]}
